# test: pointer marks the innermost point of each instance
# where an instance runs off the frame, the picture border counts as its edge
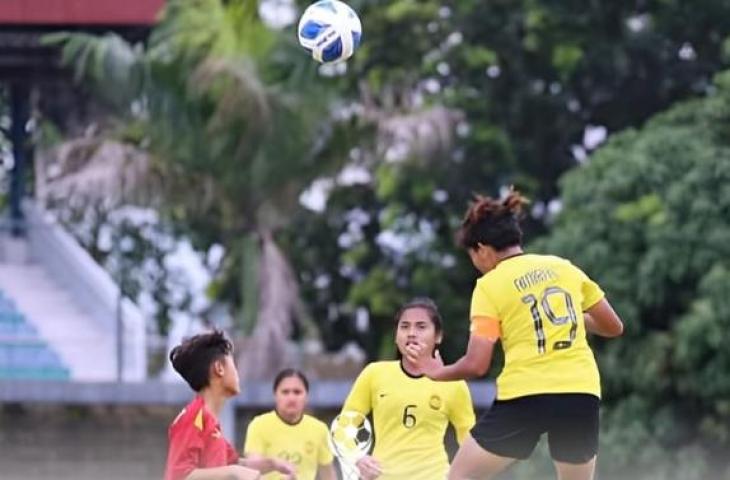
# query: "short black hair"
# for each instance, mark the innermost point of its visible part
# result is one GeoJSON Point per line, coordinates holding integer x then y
{"type": "Point", "coordinates": [493, 222]}
{"type": "Point", "coordinates": [290, 372]}
{"type": "Point", "coordinates": [194, 356]}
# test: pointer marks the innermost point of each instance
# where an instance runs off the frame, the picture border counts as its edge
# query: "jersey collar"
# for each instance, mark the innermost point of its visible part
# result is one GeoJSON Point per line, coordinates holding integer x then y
{"type": "Point", "coordinates": [511, 256]}
{"type": "Point", "coordinates": [402, 368]}
{"type": "Point", "coordinates": [288, 423]}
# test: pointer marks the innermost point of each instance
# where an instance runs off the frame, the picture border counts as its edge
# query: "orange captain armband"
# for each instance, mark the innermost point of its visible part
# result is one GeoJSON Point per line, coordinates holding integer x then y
{"type": "Point", "coordinates": [485, 327]}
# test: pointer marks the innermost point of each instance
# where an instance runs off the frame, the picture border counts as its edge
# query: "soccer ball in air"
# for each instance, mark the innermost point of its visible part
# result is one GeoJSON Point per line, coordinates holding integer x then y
{"type": "Point", "coordinates": [351, 435]}
{"type": "Point", "coordinates": [330, 30]}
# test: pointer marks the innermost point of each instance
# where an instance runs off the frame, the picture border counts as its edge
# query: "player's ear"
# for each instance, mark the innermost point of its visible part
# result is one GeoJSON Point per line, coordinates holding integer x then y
{"type": "Point", "coordinates": [484, 249]}
{"type": "Point", "coordinates": [218, 367]}
{"type": "Point", "coordinates": [437, 346]}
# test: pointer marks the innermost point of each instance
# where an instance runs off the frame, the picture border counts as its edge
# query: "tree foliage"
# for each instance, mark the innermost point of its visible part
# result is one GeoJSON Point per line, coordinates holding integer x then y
{"type": "Point", "coordinates": [649, 218]}
{"type": "Point", "coordinates": [239, 125]}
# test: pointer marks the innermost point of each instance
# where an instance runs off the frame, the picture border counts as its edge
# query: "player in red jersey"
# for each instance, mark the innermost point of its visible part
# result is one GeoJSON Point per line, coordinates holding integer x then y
{"type": "Point", "coordinates": [198, 450]}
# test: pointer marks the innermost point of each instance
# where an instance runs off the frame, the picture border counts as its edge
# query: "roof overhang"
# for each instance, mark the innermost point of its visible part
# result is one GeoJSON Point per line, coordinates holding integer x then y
{"type": "Point", "coordinates": [80, 12]}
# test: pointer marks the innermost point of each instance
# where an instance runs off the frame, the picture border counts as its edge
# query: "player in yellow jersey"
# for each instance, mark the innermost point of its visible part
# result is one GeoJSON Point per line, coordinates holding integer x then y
{"type": "Point", "coordinates": [410, 412]}
{"type": "Point", "coordinates": [540, 307]}
{"type": "Point", "coordinates": [287, 433]}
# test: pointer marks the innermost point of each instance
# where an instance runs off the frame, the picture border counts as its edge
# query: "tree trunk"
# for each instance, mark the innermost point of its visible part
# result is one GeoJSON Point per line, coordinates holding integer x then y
{"type": "Point", "coordinates": [267, 350]}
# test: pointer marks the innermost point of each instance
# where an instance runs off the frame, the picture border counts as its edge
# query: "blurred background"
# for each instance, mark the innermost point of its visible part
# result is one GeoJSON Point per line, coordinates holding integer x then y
{"type": "Point", "coordinates": [169, 167]}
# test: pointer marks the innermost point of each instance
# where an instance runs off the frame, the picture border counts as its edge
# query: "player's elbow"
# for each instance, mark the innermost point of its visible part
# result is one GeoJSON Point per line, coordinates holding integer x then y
{"type": "Point", "coordinates": [604, 320]}
{"type": "Point", "coordinates": [616, 330]}
{"type": "Point", "coordinates": [478, 358]}
{"type": "Point", "coordinates": [611, 327]}
{"type": "Point", "coordinates": [477, 368]}
{"type": "Point", "coordinates": [482, 369]}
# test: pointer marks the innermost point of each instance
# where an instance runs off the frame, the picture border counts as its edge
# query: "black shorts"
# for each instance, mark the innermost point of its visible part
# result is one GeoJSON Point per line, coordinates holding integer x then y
{"type": "Point", "coordinates": [512, 428]}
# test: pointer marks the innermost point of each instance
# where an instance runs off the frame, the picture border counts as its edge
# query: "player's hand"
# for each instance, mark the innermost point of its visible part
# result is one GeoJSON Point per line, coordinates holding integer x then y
{"type": "Point", "coordinates": [369, 468]}
{"type": "Point", "coordinates": [267, 465]}
{"type": "Point", "coordinates": [288, 470]}
{"type": "Point", "coordinates": [426, 364]}
{"type": "Point", "coordinates": [415, 352]}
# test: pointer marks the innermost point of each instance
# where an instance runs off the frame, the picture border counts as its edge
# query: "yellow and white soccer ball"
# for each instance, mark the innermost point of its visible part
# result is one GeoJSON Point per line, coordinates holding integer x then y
{"type": "Point", "coordinates": [351, 436]}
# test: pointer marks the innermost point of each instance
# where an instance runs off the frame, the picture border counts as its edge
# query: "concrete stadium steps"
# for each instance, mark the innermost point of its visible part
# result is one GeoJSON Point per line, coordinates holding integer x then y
{"type": "Point", "coordinates": [24, 355]}
{"type": "Point", "coordinates": [30, 359]}
{"type": "Point", "coordinates": [83, 347]}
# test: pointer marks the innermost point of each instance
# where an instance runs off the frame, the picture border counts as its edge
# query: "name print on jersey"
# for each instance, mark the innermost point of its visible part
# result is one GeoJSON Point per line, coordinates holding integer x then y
{"type": "Point", "coordinates": [533, 277]}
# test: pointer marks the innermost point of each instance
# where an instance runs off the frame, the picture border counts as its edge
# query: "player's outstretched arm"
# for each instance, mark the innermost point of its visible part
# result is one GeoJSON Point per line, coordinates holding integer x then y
{"type": "Point", "coordinates": [601, 319]}
{"type": "Point", "coordinates": [229, 472]}
{"type": "Point", "coordinates": [474, 363]}
{"type": "Point", "coordinates": [266, 465]}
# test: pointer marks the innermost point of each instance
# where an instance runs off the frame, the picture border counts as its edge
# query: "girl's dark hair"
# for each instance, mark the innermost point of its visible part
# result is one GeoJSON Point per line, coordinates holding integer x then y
{"type": "Point", "coordinates": [194, 356]}
{"type": "Point", "coordinates": [426, 304]}
{"type": "Point", "coordinates": [493, 222]}
{"type": "Point", "coordinates": [290, 372]}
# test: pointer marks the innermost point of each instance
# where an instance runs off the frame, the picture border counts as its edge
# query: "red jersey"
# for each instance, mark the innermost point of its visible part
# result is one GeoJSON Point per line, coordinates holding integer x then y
{"type": "Point", "coordinates": [196, 441]}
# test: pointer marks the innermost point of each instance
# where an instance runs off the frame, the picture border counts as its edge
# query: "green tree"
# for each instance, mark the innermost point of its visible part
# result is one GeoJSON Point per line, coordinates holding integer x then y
{"type": "Point", "coordinates": [530, 76]}
{"type": "Point", "coordinates": [374, 254]}
{"type": "Point", "coordinates": [648, 218]}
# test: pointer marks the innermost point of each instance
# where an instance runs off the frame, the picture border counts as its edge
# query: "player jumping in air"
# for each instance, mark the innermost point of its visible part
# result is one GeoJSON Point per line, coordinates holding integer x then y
{"type": "Point", "coordinates": [540, 307]}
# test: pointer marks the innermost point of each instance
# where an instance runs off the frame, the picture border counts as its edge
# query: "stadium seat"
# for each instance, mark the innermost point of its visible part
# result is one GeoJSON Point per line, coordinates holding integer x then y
{"type": "Point", "coordinates": [24, 355]}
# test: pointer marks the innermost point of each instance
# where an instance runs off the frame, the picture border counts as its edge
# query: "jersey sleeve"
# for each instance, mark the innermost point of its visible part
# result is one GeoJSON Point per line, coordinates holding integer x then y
{"type": "Point", "coordinates": [254, 438]}
{"type": "Point", "coordinates": [461, 412]}
{"type": "Point", "coordinates": [186, 446]}
{"type": "Point", "coordinates": [483, 315]}
{"type": "Point", "coordinates": [324, 455]}
{"type": "Point", "coordinates": [592, 293]}
{"type": "Point", "coordinates": [360, 395]}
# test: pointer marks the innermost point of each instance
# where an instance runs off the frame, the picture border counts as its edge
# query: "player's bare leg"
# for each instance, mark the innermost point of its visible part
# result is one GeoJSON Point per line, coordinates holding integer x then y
{"type": "Point", "coordinates": [472, 462]}
{"type": "Point", "coordinates": [571, 471]}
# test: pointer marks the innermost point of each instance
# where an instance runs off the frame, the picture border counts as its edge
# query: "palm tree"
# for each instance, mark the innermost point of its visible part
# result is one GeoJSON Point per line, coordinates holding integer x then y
{"type": "Point", "coordinates": [239, 125]}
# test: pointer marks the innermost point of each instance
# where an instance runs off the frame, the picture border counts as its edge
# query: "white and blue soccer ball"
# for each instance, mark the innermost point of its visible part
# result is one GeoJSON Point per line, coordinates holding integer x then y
{"type": "Point", "coordinates": [330, 30]}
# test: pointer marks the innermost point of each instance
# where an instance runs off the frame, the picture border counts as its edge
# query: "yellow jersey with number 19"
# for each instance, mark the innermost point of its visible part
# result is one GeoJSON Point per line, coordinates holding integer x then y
{"type": "Point", "coordinates": [538, 303]}
{"type": "Point", "coordinates": [410, 416]}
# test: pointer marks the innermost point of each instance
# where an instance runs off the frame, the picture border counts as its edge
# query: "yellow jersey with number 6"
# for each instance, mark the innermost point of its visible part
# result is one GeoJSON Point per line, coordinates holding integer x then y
{"type": "Point", "coordinates": [303, 444]}
{"type": "Point", "coordinates": [538, 302]}
{"type": "Point", "coordinates": [410, 416]}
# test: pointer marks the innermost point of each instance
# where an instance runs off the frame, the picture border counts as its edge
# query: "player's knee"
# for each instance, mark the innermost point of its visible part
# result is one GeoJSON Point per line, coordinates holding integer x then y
{"type": "Point", "coordinates": [459, 474]}
{"type": "Point", "coordinates": [569, 471]}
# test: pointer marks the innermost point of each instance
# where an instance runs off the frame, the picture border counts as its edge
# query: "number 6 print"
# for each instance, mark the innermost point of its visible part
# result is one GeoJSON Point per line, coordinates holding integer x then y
{"type": "Point", "coordinates": [409, 419]}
